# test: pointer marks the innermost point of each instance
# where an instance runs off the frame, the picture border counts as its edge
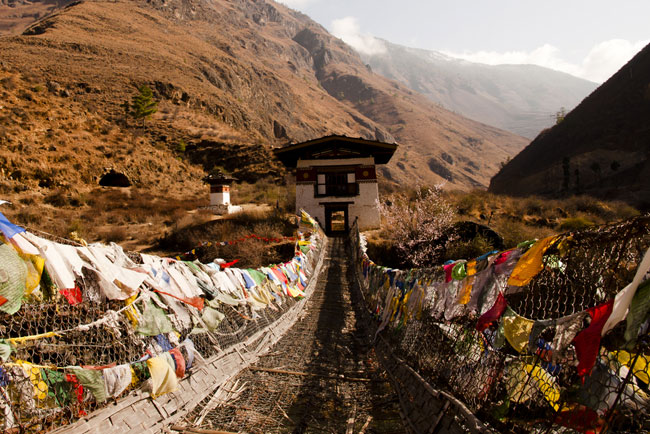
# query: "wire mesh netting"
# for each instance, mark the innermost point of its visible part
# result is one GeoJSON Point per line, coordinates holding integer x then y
{"type": "Point", "coordinates": [516, 335]}
{"type": "Point", "coordinates": [83, 334]}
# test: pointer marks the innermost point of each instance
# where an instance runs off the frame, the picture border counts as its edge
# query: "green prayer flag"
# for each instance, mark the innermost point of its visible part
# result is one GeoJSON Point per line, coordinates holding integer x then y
{"type": "Point", "coordinates": [459, 272]}
{"type": "Point", "coordinates": [13, 275]}
{"type": "Point", "coordinates": [153, 321]}
{"type": "Point", "coordinates": [638, 313]}
{"type": "Point", "coordinates": [212, 318]}
{"type": "Point", "coordinates": [5, 350]}
{"type": "Point", "coordinates": [92, 380]}
{"type": "Point", "coordinates": [257, 276]}
{"type": "Point", "coordinates": [57, 387]}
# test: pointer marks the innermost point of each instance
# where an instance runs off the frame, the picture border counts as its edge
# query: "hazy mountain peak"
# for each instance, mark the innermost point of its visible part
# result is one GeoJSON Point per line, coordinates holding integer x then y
{"type": "Point", "coordinates": [518, 98]}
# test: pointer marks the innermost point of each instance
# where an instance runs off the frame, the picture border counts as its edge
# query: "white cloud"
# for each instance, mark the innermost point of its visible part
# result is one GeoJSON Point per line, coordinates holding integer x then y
{"type": "Point", "coordinates": [606, 58]}
{"type": "Point", "coordinates": [347, 29]}
{"type": "Point", "coordinates": [603, 60]}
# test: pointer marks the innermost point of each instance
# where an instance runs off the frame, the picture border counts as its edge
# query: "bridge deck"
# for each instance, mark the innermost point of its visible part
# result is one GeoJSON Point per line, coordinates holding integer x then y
{"type": "Point", "coordinates": [322, 376]}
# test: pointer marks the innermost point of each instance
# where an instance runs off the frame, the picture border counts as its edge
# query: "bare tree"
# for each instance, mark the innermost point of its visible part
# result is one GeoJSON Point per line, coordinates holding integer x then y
{"type": "Point", "coordinates": [420, 226]}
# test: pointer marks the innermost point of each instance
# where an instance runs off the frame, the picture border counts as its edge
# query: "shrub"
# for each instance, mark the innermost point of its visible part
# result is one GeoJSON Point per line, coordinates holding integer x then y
{"type": "Point", "coordinates": [590, 205]}
{"type": "Point", "coordinates": [533, 206]}
{"type": "Point", "coordinates": [469, 202]}
{"type": "Point", "coordinates": [384, 252]}
{"type": "Point", "coordinates": [575, 223]}
{"type": "Point", "coordinates": [78, 227]}
{"type": "Point", "coordinates": [514, 232]}
{"type": "Point", "coordinates": [27, 217]}
{"type": "Point", "coordinates": [115, 234]}
{"type": "Point", "coordinates": [9, 83]}
{"type": "Point", "coordinates": [58, 198]}
{"type": "Point", "coordinates": [468, 249]}
{"type": "Point", "coordinates": [419, 226]}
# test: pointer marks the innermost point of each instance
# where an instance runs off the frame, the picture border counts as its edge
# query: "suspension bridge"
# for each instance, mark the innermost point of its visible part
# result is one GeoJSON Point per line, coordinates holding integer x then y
{"type": "Point", "coordinates": [550, 336]}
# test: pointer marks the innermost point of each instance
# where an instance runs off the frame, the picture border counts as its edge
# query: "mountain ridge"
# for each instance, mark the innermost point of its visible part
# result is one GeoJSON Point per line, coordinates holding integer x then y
{"type": "Point", "coordinates": [601, 148]}
{"type": "Point", "coordinates": [251, 73]}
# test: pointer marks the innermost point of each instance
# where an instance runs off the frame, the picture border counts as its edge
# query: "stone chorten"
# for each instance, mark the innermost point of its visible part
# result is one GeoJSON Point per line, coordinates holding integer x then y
{"type": "Point", "coordinates": [220, 193]}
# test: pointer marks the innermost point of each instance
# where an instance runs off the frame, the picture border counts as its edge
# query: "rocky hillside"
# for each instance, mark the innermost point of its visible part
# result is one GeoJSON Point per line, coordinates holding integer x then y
{"type": "Point", "coordinates": [602, 148]}
{"type": "Point", "coordinates": [238, 75]}
{"type": "Point", "coordinates": [16, 15]}
{"type": "Point", "coordinates": [517, 98]}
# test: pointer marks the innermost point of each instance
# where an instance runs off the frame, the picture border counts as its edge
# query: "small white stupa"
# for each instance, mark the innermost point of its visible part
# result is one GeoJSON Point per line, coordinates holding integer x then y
{"type": "Point", "coordinates": [220, 193]}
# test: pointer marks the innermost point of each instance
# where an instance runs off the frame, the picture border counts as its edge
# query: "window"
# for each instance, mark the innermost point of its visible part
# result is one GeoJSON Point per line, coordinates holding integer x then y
{"type": "Point", "coordinates": [321, 184]}
{"type": "Point", "coordinates": [336, 184]}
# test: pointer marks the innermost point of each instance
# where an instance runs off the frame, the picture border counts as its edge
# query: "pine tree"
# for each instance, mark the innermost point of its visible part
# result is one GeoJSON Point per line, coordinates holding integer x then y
{"type": "Point", "coordinates": [143, 105]}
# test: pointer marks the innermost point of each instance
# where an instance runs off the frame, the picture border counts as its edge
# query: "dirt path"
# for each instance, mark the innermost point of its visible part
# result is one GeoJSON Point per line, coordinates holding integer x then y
{"type": "Point", "coordinates": [321, 377]}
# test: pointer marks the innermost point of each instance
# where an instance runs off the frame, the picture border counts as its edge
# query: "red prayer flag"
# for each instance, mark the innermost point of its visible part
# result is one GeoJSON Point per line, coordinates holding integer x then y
{"type": "Point", "coordinates": [78, 390]}
{"type": "Point", "coordinates": [180, 362]}
{"type": "Point", "coordinates": [503, 257]}
{"type": "Point", "coordinates": [229, 264]}
{"type": "Point", "coordinates": [581, 419]}
{"type": "Point", "coordinates": [73, 295]}
{"type": "Point", "coordinates": [3, 300]}
{"type": "Point", "coordinates": [587, 342]}
{"type": "Point", "coordinates": [493, 314]}
{"type": "Point", "coordinates": [448, 269]}
{"type": "Point", "coordinates": [197, 302]}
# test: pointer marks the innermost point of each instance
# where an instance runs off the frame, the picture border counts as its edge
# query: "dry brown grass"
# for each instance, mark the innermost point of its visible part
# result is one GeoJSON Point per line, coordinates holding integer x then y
{"type": "Point", "coordinates": [515, 219]}
{"type": "Point", "coordinates": [518, 219]}
{"type": "Point", "coordinates": [250, 252]}
{"type": "Point", "coordinates": [266, 191]}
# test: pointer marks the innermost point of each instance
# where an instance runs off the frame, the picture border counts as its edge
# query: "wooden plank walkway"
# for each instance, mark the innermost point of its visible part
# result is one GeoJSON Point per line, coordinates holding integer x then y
{"type": "Point", "coordinates": [321, 376]}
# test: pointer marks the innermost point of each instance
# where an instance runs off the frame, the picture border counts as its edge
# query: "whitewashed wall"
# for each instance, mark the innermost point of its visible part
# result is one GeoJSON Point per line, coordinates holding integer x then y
{"type": "Point", "coordinates": [364, 205]}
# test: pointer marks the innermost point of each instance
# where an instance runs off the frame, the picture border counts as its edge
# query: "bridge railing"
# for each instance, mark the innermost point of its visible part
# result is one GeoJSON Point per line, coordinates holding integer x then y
{"type": "Point", "coordinates": [550, 336]}
{"type": "Point", "coordinates": [86, 329]}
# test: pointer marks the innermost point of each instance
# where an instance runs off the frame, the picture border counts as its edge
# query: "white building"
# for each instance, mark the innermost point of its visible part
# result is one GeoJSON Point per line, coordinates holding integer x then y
{"type": "Point", "coordinates": [220, 194]}
{"type": "Point", "coordinates": [336, 180]}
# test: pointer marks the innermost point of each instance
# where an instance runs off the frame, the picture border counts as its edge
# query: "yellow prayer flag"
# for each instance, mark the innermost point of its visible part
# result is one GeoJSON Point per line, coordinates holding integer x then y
{"type": "Point", "coordinates": [15, 341]}
{"type": "Point", "coordinates": [130, 312]}
{"type": "Point", "coordinates": [517, 329]}
{"type": "Point", "coordinates": [530, 263]}
{"type": "Point", "coordinates": [641, 367]}
{"type": "Point", "coordinates": [34, 372]}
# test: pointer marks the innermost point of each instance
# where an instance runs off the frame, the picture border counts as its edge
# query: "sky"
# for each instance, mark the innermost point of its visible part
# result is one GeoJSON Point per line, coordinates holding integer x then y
{"type": "Point", "coordinates": [590, 39]}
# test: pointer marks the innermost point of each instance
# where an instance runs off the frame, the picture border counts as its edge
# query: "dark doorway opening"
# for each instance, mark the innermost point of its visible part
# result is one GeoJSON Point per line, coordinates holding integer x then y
{"type": "Point", "coordinates": [336, 220]}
